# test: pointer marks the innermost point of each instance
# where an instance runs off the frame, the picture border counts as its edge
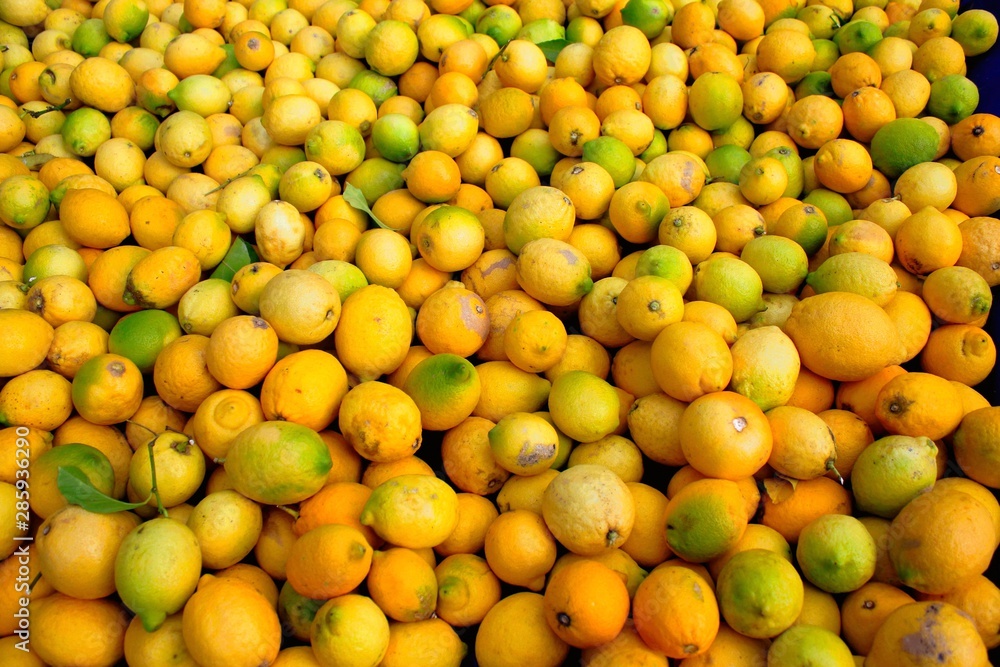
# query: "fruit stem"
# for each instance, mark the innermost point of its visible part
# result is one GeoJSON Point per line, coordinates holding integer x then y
{"type": "Point", "coordinates": [290, 511]}
{"type": "Point", "coordinates": [152, 476]}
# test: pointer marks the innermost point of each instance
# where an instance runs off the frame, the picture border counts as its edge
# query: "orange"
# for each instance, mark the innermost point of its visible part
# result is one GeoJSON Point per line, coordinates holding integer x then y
{"type": "Point", "coordinates": [328, 560]}
{"type": "Point", "coordinates": [241, 351]}
{"type": "Point", "coordinates": [681, 594]}
{"type": "Point", "coordinates": [903, 406]}
{"type": "Point", "coordinates": [725, 435]}
{"type": "Point", "coordinates": [586, 604]}
{"type": "Point", "coordinates": [864, 611]}
{"type": "Point", "coordinates": [957, 352]}
{"type": "Point", "coordinates": [519, 615]}
{"type": "Point", "coordinates": [453, 320]}
{"type": "Point", "coordinates": [571, 127]}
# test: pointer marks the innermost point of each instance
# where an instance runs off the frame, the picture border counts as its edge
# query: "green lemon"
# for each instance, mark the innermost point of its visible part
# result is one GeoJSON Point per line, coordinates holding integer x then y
{"type": "Point", "coordinates": [765, 367]}
{"type": "Point", "coordinates": [53, 260]}
{"type": "Point", "coordinates": [473, 11]}
{"type": "Point", "coordinates": [836, 553]}
{"type": "Point", "coordinates": [760, 593]}
{"type": "Point", "coordinates": [542, 30]}
{"type": "Point", "coordinates": [857, 36]}
{"type": "Point", "coordinates": [445, 388]}
{"type": "Point", "coordinates": [534, 146]}
{"type": "Point", "coordinates": [705, 519]}
{"type": "Point", "coordinates": [278, 463]}
{"type": "Point", "coordinates": [229, 63]}
{"type": "Point", "coordinates": [826, 53]}
{"type": "Point", "coordinates": [201, 93]}
{"type": "Point", "coordinates": [141, 336]}
{"type": "Point", "coordinates": [500, 22]}
{"type": "Point", "coordinates": [725, 162]}
{"type": "Point", "coordinates": [345, 277]}
{"type": "Point", "coordinates": [296, 611]}
{"type": "Point", "coordinates": [85, 130]}
{"type": "Point", "coordinates": [656, 148]}
{"type": "Point", "coordinates": [336, 145]}
{"type": "Point", "coordinates": [815, 83]}
{"type": "Point", "coordinates": [953, 98]}
{"type": "Point", "coordinates": [715, 101]}
{"type": "Point", "coordinates": [834, 205]}
{"type": "Point", "coordinates": [90, 37]}
{"type": "Point", "coordinates": [612, 154]}
{"type": "Point", "coordinates": [376, 176]}
{"type": "Point", "coordinates": [24, 202]}
{"type": "Point", "coordinates": [283, 157]}
{"type": "Point", "coordinates": [649, 16]}
{"type": "Point", "coordinates": [821, 20]}
{"type": "Point", "coordinates": [125, 19]}
{"type": "Point", "coordinates": [975, 30]}
{"type": "Point", "coordinates": [157, 569]}
{"type": "Point", "coordinates": [85, 461]}
{"type": "Point", "coordinates": [809, 645]}
{"type": "Point", "coordinates": [666, 262]}
{"type": "Point", "coordinates": [396, 137]}
{"type": "Point", "coordinates": [902, 143]}
{"type": "Point", "coordinates": [374, 85]}
{"type": "Point", "coordinates": [740, 133]}
{"type": "Point", "coordinates": [730, 283]}
{"type": "Point", "coordinates": [780, 262]}
{"type": "Point", "coordinates": [891, 472]}
{"type": "Point", "coordinates": [792, 163]}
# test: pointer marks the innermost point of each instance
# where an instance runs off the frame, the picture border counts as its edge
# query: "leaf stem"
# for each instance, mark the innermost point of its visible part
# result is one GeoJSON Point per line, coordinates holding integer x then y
{"type": "Point", "coordinates": [152, 476]}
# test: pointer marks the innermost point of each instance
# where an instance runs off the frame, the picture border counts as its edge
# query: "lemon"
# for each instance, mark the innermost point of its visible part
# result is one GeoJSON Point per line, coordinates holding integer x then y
{"type": "Point", "coordinates": [85, 130]}
{"type": "Point", "coordinates": [725, 162]}
{"type": "Point", "coordinates": [715, 101]}
{"type": "Point", "coordinates": [589, 509]}
{"type": "Point", "coordinates": [705, 519]}
{"type": "Point", "coordinates": [396, 137]}
{"type": "Point", "coordinates": [84, 461]}
{"type": "Point", "coordinates": [278, 463]}
{"type": "Point", "coordinates": [856, 272]}
{"type": "Point", "coordinates": [180, 470]}
{"type": "Point", "coordinates": [649, 16]}
{"type": "Point", "coordinates": [730, 283]}
{"type": "Point", "coordinates": [900, 144]}
{"type": "Point", "coordinates": [24, 202]}
{"type": "Point", "coordinates": [809, 645]}
{"type": "Point", "coordinates": [612, 154]}
{"type": "Point", "coordinates": [413, 511]}
{"type": "Point", "coordinates": [666, 262]}
{"type": "Point", "coordinates": [765, 366]}
{"type": "Point", "coordinates": [141, 336]}
{"type": "Point", "coordinates": [583, 406]}
{"type": "Point", "coordinates": [780, 262]}
{"type": "Point", "coordinates": [345, 277]}
{"type": "Point", "coordinates": [836, 553]}
{"type": "Point", "coordinates": [792, 163]}
{"type": "Point", "coordinates": [53, 260]}
{"type": "Point", "coordinates": [834, 206]}
{"type": "Point", "coordinates": [391, 48]}
{"type": "Point", "coordinates": [953, 98]}
{"type": "Point", "coordinates": [201, 93]}
{"type": "Point", "coordinates": [157, 569]}
{"type": "Point", "coordinates": [445, 388]}
{"type": "Point", "coordinates": [500, 22]}
{"type": "Point", "coordinates": [857, 36]}
{"type": "Point", "coordinates": [125, 19]}
{"type": "Point", "coordinates": [524, 443]}
{"type": "Point", "coordinates": [205, 306]}
{"type": "Point", "coordinates": [891, 472]}
{"type": "Point", "coordinates": [336, 145]}
{"type": "Point", "coordinates": [760, 593]}
{"type": "Point", "coordinates": [90, 37]}
{"type": "Point", "coordinates": [975, 30]}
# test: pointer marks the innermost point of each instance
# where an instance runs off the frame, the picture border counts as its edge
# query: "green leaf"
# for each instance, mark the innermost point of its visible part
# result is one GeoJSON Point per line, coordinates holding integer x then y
{"type": "Point", "coordinates": [240, 254]}
{"type": "Point", "coordinates": [356, 198]}
{"type": "Point", "coordinates": [78, 490]}
{"type": "Point", "coordinates": [552, 48]}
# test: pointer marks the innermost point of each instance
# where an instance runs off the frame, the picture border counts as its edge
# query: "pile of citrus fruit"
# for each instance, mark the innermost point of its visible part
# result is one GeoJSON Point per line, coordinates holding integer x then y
{"type": "Point", "coordinates": [535, 332]}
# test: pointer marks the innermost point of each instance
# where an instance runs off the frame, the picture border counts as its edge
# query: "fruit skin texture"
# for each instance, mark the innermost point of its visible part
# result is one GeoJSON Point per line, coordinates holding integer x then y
{"type": "Point", "coordinates": [413, 511]}
{"type": "Point", "coordinates": [589, 509]}
{"type": "Point", "coordinates": [843, 336]}
{"type": "Point", "coordinates": [923, 633]}
{"type": "Point", "coordinates": [278, 462]}
{"type": "Point", "coordinates": [941, 539]}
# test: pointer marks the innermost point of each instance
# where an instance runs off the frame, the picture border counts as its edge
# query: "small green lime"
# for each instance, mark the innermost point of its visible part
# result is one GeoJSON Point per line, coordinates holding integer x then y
{"type": "Point", "coordinates": [953, 98]}
{"type": "Point", "coordinates": [857, 36]}
{"type": "Point", "coordinates": [834, 205]}
{"type": "Point", "coordinates": [612, 154]}
{"type": "Point", "coordinates": [90, 37]}
{"type": "Point", "coordinates": [500, 22]}
{"type": "Point", "coordinates": [649, 16]}
{"type": "Point", "coordinates": [725, 162]}
{"type": "Point", "coordinates": [902, 143]}
{"type": "Point", "coordinates": [85, 130]}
